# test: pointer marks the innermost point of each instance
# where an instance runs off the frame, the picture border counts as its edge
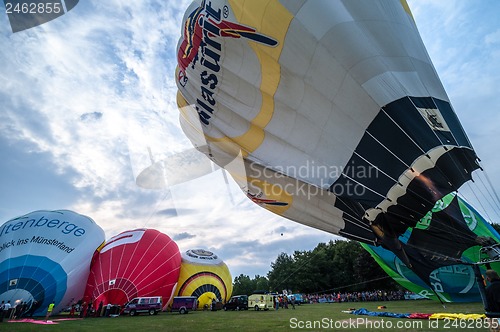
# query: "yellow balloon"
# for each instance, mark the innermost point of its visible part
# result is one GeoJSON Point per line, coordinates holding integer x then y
{"type": "Point", "coordinates": [204, 275]}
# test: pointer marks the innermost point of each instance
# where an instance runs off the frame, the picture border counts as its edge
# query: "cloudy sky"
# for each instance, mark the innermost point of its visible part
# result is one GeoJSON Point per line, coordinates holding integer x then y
{"type": "Point", "coordinates": [87, 102]}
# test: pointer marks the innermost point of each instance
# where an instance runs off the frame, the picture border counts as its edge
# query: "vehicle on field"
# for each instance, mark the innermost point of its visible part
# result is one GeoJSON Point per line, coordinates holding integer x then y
{"type": "Point", "coordinates": [151, 305]}
{"type": "Point", "coordinates": [184, 304]}
{"type": "Point", "coordinates": [261, 302]}
{"type": "Point", "coordinates": [238, 302]}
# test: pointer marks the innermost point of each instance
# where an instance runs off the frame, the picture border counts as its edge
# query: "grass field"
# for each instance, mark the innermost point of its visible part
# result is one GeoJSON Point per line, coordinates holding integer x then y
{"type": "Point", "coordinates": [326, 315]}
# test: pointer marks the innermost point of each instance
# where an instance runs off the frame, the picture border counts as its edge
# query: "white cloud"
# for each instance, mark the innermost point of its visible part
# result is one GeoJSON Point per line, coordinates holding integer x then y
{"type": "Point", "coordinates": [492, 38]}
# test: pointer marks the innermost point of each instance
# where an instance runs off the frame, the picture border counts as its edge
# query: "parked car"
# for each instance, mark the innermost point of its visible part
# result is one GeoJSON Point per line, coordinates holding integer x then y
{"type": "Point", "coordinates": [184, 304]}
{"type": "Point", "coordinates": [151, 305]}
{"type": "Point", "coordinates": [238, 302]}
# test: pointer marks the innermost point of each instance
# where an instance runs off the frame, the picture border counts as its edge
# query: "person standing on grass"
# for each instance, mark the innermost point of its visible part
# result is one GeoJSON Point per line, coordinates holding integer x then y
{"type": "Point", "coordinates": [2, 305]}
{"type": "Point", "coordinates": [108, 310]}
{"type": "Point", "coordinates": [7, 308]}
{"type": "Point", "coordinates": [493, 291]}
{"type": "Point", "coordinates": [34, 305]}
{"type": "Point", "coordinates": [98, 313]}
{"type": "Point", "coordinates": [49, 311]}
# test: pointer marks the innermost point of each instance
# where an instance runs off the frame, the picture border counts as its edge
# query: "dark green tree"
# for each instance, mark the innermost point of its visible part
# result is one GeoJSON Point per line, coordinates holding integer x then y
{"type": "Point", "coordinates": [281, 274]}
{"type": "Point", "coordinates": [261, 283]}
{"type": "Point", "coordinates": [243, 285]}
{"type": "Point", "coordinates": [334, 266]}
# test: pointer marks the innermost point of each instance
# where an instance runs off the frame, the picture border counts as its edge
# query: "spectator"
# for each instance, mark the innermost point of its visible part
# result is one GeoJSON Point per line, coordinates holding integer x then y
{"type": "Point", "coordinates": [7, 308]}
{"type": "Point", "coordinates": [49, 311]}
{"type": "Point", "coordinates": [493, 292]}
{"type": "Point", "coordinates": [2, 305]}
{"type": "Point", "coordinates": [98, 313]}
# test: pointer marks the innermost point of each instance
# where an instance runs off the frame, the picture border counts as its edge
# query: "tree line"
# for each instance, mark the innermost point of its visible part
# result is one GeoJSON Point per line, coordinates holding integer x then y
{"type": "Point", "coordinates": [336, 266]}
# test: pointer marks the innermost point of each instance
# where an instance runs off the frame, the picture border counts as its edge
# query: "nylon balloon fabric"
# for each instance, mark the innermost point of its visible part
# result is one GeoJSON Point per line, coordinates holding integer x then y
{"type": "Point", "coordinates": [135, 263]}
{"type": "Point", "coordinates": [45, 257]}
{"type": "Point", "coordinates": [328, 113]}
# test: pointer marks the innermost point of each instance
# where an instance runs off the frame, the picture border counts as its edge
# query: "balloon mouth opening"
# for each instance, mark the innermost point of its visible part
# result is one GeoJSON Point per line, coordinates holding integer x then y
{"type": "Point", "coordinates": [17, 296]}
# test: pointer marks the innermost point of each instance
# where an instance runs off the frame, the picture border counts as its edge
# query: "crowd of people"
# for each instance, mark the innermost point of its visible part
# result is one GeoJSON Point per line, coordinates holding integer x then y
{"type": "Point", "coordinates": [17, 310]}
{"type": "Point", "coordinates": [375, 295]}
{"type": "Point", "coordinates": [86, 309]}
{"type": "Point", "coordinates": [284, 302]}
{"type": "Point", "coordinates": [23, 309]}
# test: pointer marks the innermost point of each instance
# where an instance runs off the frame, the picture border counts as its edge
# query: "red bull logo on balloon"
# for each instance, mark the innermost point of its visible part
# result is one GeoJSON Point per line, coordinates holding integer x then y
{"type": "Point", "coordinates": [200, 46]}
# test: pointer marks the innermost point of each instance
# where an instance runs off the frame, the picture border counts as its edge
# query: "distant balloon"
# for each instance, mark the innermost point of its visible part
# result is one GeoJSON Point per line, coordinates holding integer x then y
{"type": "Point", "coordinates": [45, 256]}
{"type": "Point", "coordinates": [141, 262]}
{"type": "Point", "coordinates": [204, 275]}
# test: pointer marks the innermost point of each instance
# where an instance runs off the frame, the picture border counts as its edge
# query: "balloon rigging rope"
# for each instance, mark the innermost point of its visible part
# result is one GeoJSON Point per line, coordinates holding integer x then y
{"type": "Point", "coordinates": [395, 181]}
{"type": "Point", "coordinates": [409, 137]}
{"type": "Point", "coordinates": [495, 194]}
{"type": "Point", "coordinates": [480, 201]}
{"type": "Point", "coordinates": [121, 258]}
{"type": "Point", "coordinates": [131, 273]}
{"type": "Point", "coordinates": [477, 200]}
{"type": "Point", "coordinates": [378, 169]}
{"type": "Point", "coordinates": [424, 153]}
{"type": "Point", "coordinates": [494, 203]}
{"type": "Point", "coordinates": [46, 273]}
{"type": "Point", "coordinates": [439, 255]}
{"type": "Point", "coordinates": [136, 281]}
{"type": "Point", "coordinates": [297, 269]}
{"type": "Point", "coordinates": [355, 218]}
{"type": "Point", "coordinates": [155, 210]}
{"type": "Point", "coordinates": [157, 207]}
{"type": "Point", "coordinates": [113, 275]}
{"type": "Point", "coordinates": [459, 168]}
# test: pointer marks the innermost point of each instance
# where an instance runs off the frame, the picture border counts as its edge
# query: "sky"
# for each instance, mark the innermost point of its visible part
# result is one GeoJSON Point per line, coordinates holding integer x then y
{"type": "Point", "coordinates": [87, 102]}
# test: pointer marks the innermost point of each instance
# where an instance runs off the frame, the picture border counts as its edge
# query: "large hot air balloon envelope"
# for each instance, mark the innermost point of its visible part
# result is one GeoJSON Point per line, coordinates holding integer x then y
{"type": "Point", "coordinates": [337, 114]}
{"type": "Point", "coordinates": [204, 275]}
{"type": "Point", "coordinates": [141, 262]}
{"type": "Point", "coordinates": [45, 256]}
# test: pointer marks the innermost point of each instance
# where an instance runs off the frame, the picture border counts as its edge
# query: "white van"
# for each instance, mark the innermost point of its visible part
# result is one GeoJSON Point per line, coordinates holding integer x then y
{"type": "Point", "coordinates": [151, 305]}
{"type": "Point", "coordinates": [261, 302]}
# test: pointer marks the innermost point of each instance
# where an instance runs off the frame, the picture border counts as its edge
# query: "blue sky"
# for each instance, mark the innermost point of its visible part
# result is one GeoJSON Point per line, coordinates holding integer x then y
{"type": "Point", "coordinates": [83, 97]}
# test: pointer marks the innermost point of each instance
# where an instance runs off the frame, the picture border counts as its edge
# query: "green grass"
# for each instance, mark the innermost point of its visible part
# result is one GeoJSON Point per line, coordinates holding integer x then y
{"type": "Point", "coordinates": [326, 314]}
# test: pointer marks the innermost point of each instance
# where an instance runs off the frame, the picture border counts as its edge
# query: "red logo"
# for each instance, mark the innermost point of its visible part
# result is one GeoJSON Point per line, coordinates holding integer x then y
{"type": "Point", "coordinates": [262, 201]}
{"type": "Point", "coordinates": [201, 29]}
